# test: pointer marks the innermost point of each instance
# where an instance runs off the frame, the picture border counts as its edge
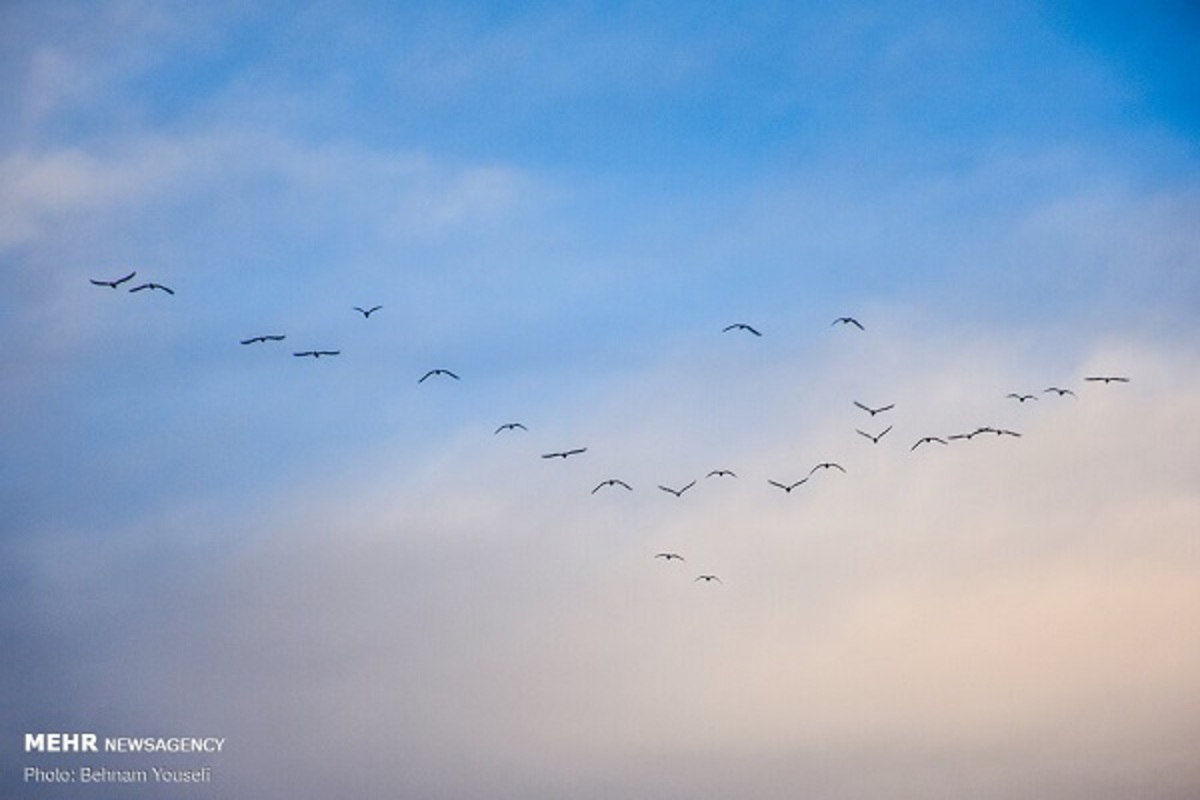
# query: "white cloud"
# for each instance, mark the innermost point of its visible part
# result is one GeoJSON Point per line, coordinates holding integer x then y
{"type": "Point", "coordinates": [941, 611]}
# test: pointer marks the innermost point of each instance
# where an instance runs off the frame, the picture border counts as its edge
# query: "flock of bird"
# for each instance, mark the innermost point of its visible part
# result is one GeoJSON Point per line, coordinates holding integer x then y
{"type": "Point", "coordinates": [616, 483]}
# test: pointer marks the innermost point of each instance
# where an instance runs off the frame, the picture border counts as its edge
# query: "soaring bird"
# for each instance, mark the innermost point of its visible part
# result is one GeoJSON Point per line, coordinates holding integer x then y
{"type": "Point", "coordinates": [367, 312]}
{"type": "Point", "coordinates": [317, 353]}
{"type": "Point", "coordinates": [432, 372]}
{"type": "Point", "coordinates": [273, 337]}
{"type": "Point", "coordinates": [511, 426]}
{"type": "Point", "coordinates": [826, 465]}
{"type": "Point", "coordinates": [612, 482]}
{"type": "Point", "coordinates": [677, 492]}
{"type": "Point", "coordinates": [926, 440]}
{"type": "Point", "coordinates": [1021, 397]}
{"type": "Point", "coordinates": [787, 487]}
{"type": "Point", "coordinates": [152, 286]}
{"type": "Point", "coordinates": [875, 439]}
{"type": "Point", "coordinates": [874, 411]}
{"type": "Point", "coordinates": [848, 321]}
{"type": "Point", "coordinates": [708, 578]}
{"type": "Point", "coordinates": [565, 453]}
{"type": "Point", "coordinates": [670, 557]}
{"type": "Point", "coordinates": [1107, 379]}
{"type": "Point", "coordinates": [740, 326]}
{"type": "Point", "coordinates": [1058, 391]}
{"type": "Point", "coordinates": [721, 473]}
{"type": "Point", "coordinates": [116, 283]}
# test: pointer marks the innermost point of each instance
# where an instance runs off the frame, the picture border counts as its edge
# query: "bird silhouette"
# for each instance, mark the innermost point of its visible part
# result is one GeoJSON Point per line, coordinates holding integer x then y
{"type": "Point", "coordinates": [787, 487]}
{"type": "Point", "coordinates": [721, 473]}
{"type": "Point", "coordinates": [708, 578]}
{"type": "Point", "coordinates": [1058, 391]}
{"type": "Point", "coordinates": [511, 426]}
{"type": "Point", "coordinates": [874, 411]}
{"type": "Point", "coordinates": [670, 556]}
{"type": "Point", "coordinates": [612, 482]}
{"type": "Point", "coordinates": [317, 353]}
{"type": "Point", "coordinates": [848, 321]}
{"type": "Point", "coordinates": [433, 372]}
{"type": "Point", "coordinates": [367, 312]}
{"type": "Point", "coordinates": [1021, 397]}
{"type": "Point", "coordinates": [927, 440]}
{"type": "Point", "coordinates": [826, 465]}
{"type": "Point", "coordinates": [152, 286]}
{"type": "Point", "coordinates": [875, 439]}
{"type": "Point", "coordinates": [1107, 379]}
{"type": "Point", "coordinates": [740, 326]}
{"type": "Point", "coordinates": [116, 283]}
{"type": "Point", "coordinates": [677, 492]}
{"type": "Point", "coordinates": [274, 337]}
{"type": "Point", "coordinates": [565, 453]}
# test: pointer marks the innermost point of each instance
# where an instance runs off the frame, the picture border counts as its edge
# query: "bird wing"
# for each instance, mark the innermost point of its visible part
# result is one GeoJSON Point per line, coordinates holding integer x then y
{"type": "Point", "coordinates": [128, 277]}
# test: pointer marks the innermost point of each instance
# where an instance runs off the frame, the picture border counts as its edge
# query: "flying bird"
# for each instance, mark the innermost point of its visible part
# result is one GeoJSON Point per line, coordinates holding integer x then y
{"type": "Point", "coordinates": [708, 578]}
{"type": "Point", "coordinates": [511, 426]}
{"type": "Point", "coordinates": [275, 337]}
{"type": "Point", "coordinates": [848, 321]}
{"type": "Point", "coordinates": [116, 283]}
{"type": "Point", "coordinates": [721, 473]}
{"type": "Point", "coordinates": [1021, 397]}
{"type": "Point", "coordinates": [927, 440]}
{"type": "Point", "coordinates": [152, 286]}
{"type": "Point", "coordinates": [740, 326]}
{"type": "Point", "coordinates": [826, 465]}
{"type": "Point", "coordinates": [875, 439]}
{"type": "Point", "coordinates": [612, 482]}
{"type": "Point", "coordinates": [565, 453]}
{"type": "Point", "coordinates": [317, 353]}
{"type": "Point", "coordinates": [1058, 391]}
{"type": "Point", "coordinates": [787, 487]}
{"type": "Point", "coordinates": [677, 492]}
{"type": "Point", "coordinates": [1107, 379]}
{"type": "Point", "coordinates": [670, 557]}
{"type": "Point", "coordinates": [874, 411]}
{"type": "Point", "coordinates": [433, 372]}
{"type": "Point", "coordinates": [367, 312]}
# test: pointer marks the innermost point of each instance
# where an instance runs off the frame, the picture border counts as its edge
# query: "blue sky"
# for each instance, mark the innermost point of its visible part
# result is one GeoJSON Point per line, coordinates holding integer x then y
{"type": "Point", "coordinates": [349, 575]}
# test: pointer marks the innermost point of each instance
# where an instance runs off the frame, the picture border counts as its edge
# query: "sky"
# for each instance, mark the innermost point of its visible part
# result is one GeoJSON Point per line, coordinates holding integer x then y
{"type": "Point", "coordinates": [361, 584]}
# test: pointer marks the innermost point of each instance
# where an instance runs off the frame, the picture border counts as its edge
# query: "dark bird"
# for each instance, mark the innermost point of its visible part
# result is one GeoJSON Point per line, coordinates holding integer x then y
{"type": "Point", "coordinates": [708, 578]}
{"type": "Point", "coordinates": [875, 439]}
{"type": "Point", "coordinates": [740, 326]}
{"type": "Point", "coordinates": [317, 353]}
{"type": "Point", "coordinates": [367, 312]}
{"type": "Point", "coordinates": [925, 440]}
{"type": "Point", "coordinates": [1107, 379]}
{"type": "Point", "coordinates": [721, 473]}
{"type": "Point", "coordinates": [670, 556]}
{"type": "Point", "coordinates": [848, 321]}
{"type": "Point", "coordinates": [787, 487]}
{"type": "Point", "coordinates": [511, 426]}
{"type": "Point", "coordinates": [565, 453]}
{"type": "Point", "coordinates": [152, 286]}
{"type": "Point", "coordinates": [874, 411]}
{"type": "Point", "coordinates": [677, 492]}
{"type": "Point", "coordinates": [432, 372]}
{"type": "Point", "coordinates": [116, 283]}
{"type": "Point", "coordinates": [1021, 397]}
{"type": "Point", "coordinates": [275, 337]}
{"type": "Point", "coordinates": [1005, 432]}
{"type": "Point", "coordinates": [826, 465]}
{"type": "Point", "coordinates": [612, 482]}
{"type": "Point", "coordinates": [1058, 391]}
